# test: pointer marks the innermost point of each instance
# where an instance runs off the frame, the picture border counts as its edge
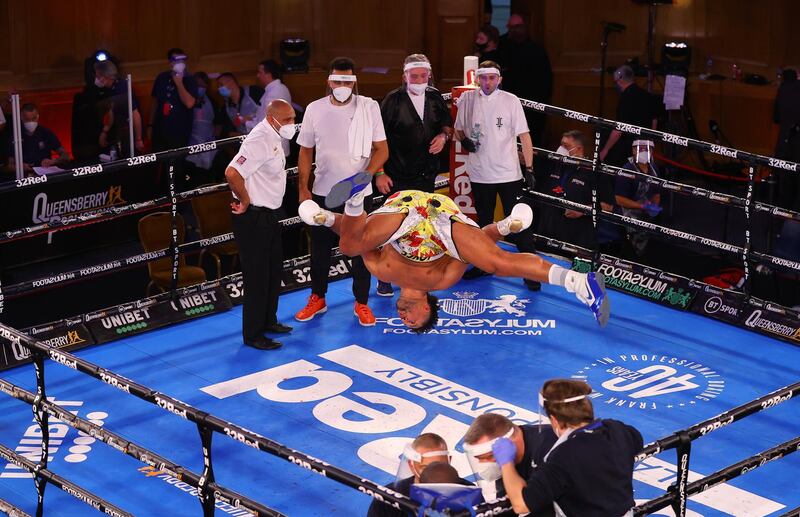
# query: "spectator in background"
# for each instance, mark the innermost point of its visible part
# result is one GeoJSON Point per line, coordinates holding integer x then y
{"type": "Point", "coordinates": [636, 197]}
{"type": "Point", "coordinates": [486, 42]}
{"type": "Point", "coordinates": [526, 71]}
{"type": "Point", "coordinates": [636, 107]}
{"type": "Point", "coordinates": [418, 124]}
{"type": "Point", "coordinates": [100, 117]}
{"type": "Point", "coordinates": [38, 144]}
{"type": "Point", "coordinates": [204, 129]}
{"type": "Point", "coordinates": [787, 116]}
{"type": "Point", "coordinates": [269, 76]}
{"type": "Point", "coordinates": [174, 95]}
{"type": "Point", "coordinates": [239, 106]}
{"type": "Point", "coordinates": [574, 226]}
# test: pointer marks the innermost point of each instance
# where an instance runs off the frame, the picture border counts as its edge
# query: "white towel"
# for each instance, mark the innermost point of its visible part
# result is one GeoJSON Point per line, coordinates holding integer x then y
{"type": "Point", "coordinates": [359, 135]}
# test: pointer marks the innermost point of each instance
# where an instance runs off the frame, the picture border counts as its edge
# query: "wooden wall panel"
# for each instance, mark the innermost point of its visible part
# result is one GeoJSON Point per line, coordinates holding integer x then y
{"type": "Point", "coordinates": [450, 27]}
{"type": "Point", "coordinates": [5, 42]}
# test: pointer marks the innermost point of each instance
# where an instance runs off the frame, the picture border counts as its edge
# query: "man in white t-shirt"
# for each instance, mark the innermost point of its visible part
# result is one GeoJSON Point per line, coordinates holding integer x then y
{"type": "Point", "coordinates": [346, 132]}
{"type": "Point", "coordinates": [257, 177]}
{"type": "Point", "coordinates": [488, 123]}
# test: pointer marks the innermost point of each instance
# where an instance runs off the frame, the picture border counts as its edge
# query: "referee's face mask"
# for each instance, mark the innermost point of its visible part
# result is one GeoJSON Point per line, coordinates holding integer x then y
{"type": "Point", "coordinates": [284, 126]}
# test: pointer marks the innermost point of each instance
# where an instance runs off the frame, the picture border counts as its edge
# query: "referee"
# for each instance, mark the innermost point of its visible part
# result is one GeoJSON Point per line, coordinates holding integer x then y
{"type": "Point", "coordinates": [257, 178]}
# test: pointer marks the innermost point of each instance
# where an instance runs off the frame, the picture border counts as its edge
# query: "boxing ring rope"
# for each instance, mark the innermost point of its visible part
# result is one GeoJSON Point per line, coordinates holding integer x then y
{"type": "Point", "coordinates": [207, 424]}
{"type": "Point", "coordinates": [11, 510]}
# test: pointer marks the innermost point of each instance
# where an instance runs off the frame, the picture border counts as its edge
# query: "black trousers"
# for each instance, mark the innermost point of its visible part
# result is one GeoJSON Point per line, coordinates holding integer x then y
{"type": "Point", "coordinates": [425, 184]}
{"type": "Point", "coordinates": [485, 195]}
{"type": "Point", "coordinates": [258, 234]}
{"type": "Point", "coordinates": [323, 240]}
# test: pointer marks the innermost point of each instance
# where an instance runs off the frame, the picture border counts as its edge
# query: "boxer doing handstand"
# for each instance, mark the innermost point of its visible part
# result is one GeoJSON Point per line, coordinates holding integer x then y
{"type": "Point", "coordinates": [422, 242]}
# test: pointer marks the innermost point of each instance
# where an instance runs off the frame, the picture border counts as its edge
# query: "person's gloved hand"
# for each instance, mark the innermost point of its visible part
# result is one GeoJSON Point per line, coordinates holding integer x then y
{"type": "Point", "coordinates": [530, 179]}
{"type": "Point", "coordinates": [504, 451]}
{"type": "Point", "coordinates": [651, 208]}
{"type": "Point", "coordinates": [469, 145]}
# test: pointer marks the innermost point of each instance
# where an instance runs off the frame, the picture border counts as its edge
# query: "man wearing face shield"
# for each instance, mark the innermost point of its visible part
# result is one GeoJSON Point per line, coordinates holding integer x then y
{"type": "Point", "coordinates": [587, 472]}
{"type": "Point", "coordinates": [257, 177]}
{"type": "Point", "coordinates": [531, 444]}
{"type": "Point", "coordinates": [488, 123]}
{"type": "Point", "coordinates": [418, 124]}
{"type": "Point", "coordinates": [426, 449]}
{"type": "Point", "coordinates": [343, 133]}
{"type": "Point", "coordinates": [637, 198]}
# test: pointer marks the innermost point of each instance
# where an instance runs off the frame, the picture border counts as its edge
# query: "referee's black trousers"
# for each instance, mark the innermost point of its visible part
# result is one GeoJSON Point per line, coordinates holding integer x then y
{"type": "Point", "coordinates": [258, 234]}
{"type": "Point", "coordinates": [323, 240]}
{"type": "Point", "coordinates": [485, 195]}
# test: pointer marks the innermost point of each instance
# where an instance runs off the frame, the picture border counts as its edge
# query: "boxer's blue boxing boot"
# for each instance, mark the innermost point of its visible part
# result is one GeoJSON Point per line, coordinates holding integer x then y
{"type": "Point", "coordinates": [588, 288]}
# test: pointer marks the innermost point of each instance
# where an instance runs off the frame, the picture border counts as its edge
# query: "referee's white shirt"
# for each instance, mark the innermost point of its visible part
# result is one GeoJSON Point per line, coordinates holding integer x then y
{"type": "Point", "coordinates": [262, 164]}
{"type": "Point", "coordinates": [502, 122]}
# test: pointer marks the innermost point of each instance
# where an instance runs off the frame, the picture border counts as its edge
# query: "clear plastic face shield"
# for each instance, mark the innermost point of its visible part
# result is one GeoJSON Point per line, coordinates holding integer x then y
{"type": "Point", "coordinates": [412, 462]}
{"type": "Point", "coordinates": [417, 76]}
{"type": "Point", "coordinates": [567, 400]}
{"type": "Point", "coordinates": [489, 80]}
{"type": "Point", "coordinates": [486, 470]}
{"type": "Point", "coordinates": [342, 87]}
{"type": "Point", "coordinates": [642, 151]}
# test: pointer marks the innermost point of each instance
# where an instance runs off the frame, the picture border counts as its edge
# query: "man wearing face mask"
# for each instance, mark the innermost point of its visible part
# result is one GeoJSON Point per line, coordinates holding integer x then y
{"type": "Point", "coordinates": [636, 197]}
{"type": "Point", "coordinates": [345, 130]}
{"type": "Point", "coordinates": [488, 123]}
{"type": "Point", "coordinates": [257, 178]}
{"type": "Point", "coordinates": [587, 472]}
{"type": "Point", "coordinates": [418, 124]}
{"type": "Point", "coordinates": [531, 444]}
{"type": "Point", "coordinates": [426, 449]}
{"type": "Point", "coordinates": [239, 106]}
{"type": "Point", "coordinates": [636, 107]}
{"type": "Point", "coordinates": [100, 117]}
{"type": "Point", "coordinates": [174, 95]}
{"type": "Point", "coordinates": [38, 143]}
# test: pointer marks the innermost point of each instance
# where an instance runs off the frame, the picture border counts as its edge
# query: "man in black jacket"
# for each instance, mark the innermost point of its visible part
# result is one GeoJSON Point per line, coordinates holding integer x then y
{"type": "Point", "coordinates": [418, 125]}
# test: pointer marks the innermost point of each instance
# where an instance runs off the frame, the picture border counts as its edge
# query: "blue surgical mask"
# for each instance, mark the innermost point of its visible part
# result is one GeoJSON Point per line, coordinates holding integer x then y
{"type": "Point", "coordinates": [201, 92]}
{"type": "Point", "coordinates": [224, 91]}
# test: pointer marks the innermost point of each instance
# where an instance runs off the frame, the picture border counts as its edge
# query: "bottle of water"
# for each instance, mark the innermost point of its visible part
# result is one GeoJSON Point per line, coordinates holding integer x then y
{"type": "Point", "coordinates": [475, 135]}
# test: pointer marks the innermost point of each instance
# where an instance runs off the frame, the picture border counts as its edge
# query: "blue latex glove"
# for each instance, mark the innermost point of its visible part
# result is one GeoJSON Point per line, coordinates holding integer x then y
{"type": "Point", "coordinates": [504, 451]}
{"type": "Point", "coordinates": [651, 208]}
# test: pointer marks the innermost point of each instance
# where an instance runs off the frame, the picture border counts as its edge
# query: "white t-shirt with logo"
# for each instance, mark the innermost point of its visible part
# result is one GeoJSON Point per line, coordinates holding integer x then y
{"type": "Point", "coordinates": [501, 120]}
{"type": "Point", "coordinates": [325, 127]}
{"type": "Point", "coordinates": [262, 164]}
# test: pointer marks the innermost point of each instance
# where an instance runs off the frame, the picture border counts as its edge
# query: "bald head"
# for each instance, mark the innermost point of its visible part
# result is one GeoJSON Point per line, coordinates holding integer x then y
{"type": "Point", "coordinates": [281, 112]}
{"type": "Point", "coordinates": [279, 108]}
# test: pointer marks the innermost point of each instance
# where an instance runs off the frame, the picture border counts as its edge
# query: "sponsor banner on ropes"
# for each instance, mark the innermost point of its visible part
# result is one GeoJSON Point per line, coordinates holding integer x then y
{"type": "Point", "coordinates": [129, 319]}
{"type": "Point", "coordinates": [718, 303]}
{"type": "Point", "coordinates": [642, 281]}
{"type": "Point", "coordinates": [68, 335]}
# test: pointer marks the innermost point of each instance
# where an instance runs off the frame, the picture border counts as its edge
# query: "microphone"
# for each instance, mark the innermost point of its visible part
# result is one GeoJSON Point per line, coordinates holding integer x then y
{"type": "Point", "coordinates": [613, 27]}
